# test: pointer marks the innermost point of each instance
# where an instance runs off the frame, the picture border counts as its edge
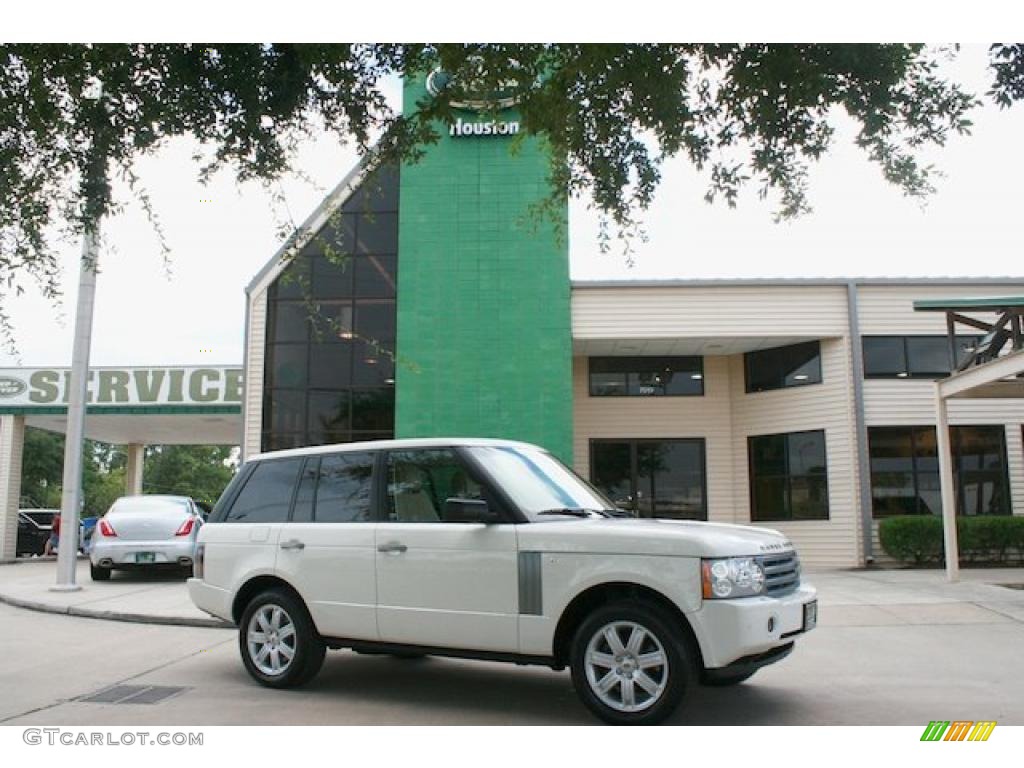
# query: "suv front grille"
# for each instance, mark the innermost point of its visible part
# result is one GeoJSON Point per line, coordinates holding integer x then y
{"type": "Point", "coordinates": [781, 573]}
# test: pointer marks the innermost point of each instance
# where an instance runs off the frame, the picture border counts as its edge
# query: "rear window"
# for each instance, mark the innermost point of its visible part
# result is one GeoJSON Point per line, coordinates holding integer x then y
{"type": "Point", "coordinates": [267, 493]}
{"type": "Point", "coordinates": [152, 504]}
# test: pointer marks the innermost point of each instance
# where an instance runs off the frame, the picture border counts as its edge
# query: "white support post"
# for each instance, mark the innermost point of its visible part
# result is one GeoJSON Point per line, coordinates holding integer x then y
{"type": "Point", "coordinates": [133, 469]}
{"type": "Point", "coordinates": [12, 441]}
{"type": "Point", "coordinates": [945, 451]}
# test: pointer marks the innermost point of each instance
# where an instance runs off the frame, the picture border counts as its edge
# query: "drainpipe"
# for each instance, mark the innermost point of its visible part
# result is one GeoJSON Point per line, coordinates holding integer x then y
{"type": "Point", "coordinates": [861, 438]}
{"type": "Point", "coordinates": [245, 378]}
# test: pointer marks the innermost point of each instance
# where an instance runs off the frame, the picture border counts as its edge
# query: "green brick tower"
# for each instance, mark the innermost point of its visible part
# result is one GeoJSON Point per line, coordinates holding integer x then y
{"type": "Point", "coordinates": [484, 339]}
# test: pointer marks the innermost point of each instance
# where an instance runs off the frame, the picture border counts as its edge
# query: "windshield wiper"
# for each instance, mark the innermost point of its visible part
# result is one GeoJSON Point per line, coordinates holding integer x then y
{"type": "Point", "coordinates": [568, 511]}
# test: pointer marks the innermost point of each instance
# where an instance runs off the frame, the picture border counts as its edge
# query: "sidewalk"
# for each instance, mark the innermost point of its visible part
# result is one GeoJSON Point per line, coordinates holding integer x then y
{"type": "Point", "coordinates": [846, 597]}
{"type": "Point", "coordinates": [160, 598]}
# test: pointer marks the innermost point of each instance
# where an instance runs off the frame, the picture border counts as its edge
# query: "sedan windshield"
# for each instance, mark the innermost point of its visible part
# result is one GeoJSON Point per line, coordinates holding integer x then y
{"type": "Point", "coordinates": [539, 483]}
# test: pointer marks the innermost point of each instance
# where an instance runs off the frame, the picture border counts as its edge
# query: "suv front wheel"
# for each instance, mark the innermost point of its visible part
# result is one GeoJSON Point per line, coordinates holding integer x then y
{"type": "Point", "coordinates": [279, 644]}
{"type": "Point", "coordinates": [630, 665]}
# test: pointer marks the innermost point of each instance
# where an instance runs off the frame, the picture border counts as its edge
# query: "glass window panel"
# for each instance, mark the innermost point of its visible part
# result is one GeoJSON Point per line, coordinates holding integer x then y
{"type": "Point", "coordinates": [612, 471]}
{"type": "Point", "coordinates": [344, 491]}
{"type": "Point", "coordinates": [289, 321]}
{"type": "Point", "coordinates": [377, 233]}
{"type": "Point", "coordinates": [302, 511]}
{"type": "Point", "coordinates": [676, 469]}
{"type": "Point", "coordinates": [333, 322]}
{"type": "Point", "coordinates": [806, 453]}
{"type": "Point", "coordinates": [337, 238]}
{"type": "Point", "coordinates": [293, 282]}
{"type": "Point", "coordinates": [376, 276]}
{"type": "Point", "coordinates": [373, 409]}
{"type": "Point", "coordinates": [330, 365]}
{"type": "Point", "coordinates": [373, 364]}
{"type": "Point", "coordinates": [966, 344]}
{"type": "Point", "coordinates": [377, 192]}
{"type": "Point", "coordinates": [782, 367]}
{"type": "Point", "coordinates": [375, 320]}
{"type": "Point", "coordinates": [328, 417]}
{"type": "Point", "coordinates": [419, 483]}
{"type": "Point", "coordinates": [267, 493]}
{"type": "Point", "coordinates": [928, 355]}
{"type": "Point", "coordinates": [884, 356]}
{"type": "Point", "coordinates": [287, 365]}
{"type": "Point", "coordinates": [980, 460]}
{"type": "Point", "coordinates": [646, 376]}
{"type": "Point", "coordinates": [769, 454]}
{"type": "Point", "coordinates": [332, 276]}
{"type": "Point", "coordinates": [286, 410]}
{"type": "Point", "coordinates": [808, 497]}
{"type": "Point", "coordinates": [280, 441]}
{"type": "Point", "coordinates": [769, 502]}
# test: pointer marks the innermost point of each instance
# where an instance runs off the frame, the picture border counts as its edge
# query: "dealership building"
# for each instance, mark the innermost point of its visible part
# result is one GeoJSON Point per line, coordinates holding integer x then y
{"type": "Point", "coordinates": [433, 300]}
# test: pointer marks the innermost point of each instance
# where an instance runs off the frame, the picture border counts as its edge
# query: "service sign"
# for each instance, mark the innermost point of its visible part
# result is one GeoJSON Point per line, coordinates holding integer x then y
{"type": "Point", "coordinates": [49, 387]}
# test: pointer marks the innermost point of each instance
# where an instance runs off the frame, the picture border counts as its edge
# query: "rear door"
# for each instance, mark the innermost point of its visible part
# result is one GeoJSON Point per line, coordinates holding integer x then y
{"type": "Point", "coordinates": [441, 583]}
{"type": "Point", "coordinates": [244, 542]}
{"type": "Point", "coordinates": [326, 550]}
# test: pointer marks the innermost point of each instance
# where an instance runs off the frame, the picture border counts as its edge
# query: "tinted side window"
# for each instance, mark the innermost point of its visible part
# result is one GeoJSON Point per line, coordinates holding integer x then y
{"type": "Point", "coordinates": [344, 492]}
{"type": "Point", "coordinates": [783, 367]}
{"type": "Point", "coordinates": [267, 493]}
{"type": "Point", "coordinates": [302, 511]}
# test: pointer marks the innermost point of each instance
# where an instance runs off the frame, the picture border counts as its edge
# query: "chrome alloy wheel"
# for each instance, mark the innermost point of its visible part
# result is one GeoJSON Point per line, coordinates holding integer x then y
{"type": "Point", "coordinates": [626, 666]}
{"type": "Point", "coordinates": [271, 639]}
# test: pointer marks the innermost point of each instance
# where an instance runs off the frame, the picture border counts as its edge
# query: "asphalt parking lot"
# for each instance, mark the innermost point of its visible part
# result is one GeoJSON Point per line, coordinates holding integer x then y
{"type": "Point", "coordinates": [892, 648]}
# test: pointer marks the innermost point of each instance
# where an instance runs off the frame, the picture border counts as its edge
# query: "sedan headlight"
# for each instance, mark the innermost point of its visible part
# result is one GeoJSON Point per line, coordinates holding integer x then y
{"type": "Point", "coordinates": [732, 577]}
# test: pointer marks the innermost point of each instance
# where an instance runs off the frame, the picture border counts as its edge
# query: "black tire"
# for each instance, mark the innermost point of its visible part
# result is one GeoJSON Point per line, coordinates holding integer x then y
{"type": "Point", "coordinates": [308, 648]}
{"type": "Point", "coordinates": [99, 574]}
{"type": "Point", "coordinates": [673, 677]}
{"type": "Point", "coordinates": [724, 681]}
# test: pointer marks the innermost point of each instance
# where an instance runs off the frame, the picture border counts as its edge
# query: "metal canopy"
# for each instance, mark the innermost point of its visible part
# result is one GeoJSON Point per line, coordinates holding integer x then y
{"type": "Point", "coordinates": [993, 369]}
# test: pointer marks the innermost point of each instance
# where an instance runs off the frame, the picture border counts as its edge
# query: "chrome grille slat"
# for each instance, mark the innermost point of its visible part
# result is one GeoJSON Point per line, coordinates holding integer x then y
{"type": "Point", "coordinates": [781, 572]}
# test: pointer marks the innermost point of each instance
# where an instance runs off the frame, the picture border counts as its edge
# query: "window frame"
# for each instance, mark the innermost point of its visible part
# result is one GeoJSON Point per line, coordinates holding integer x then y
{"type": "Point", "coordinates": [788, 478]}
{"type": "Point", "coordinates": [634, 444]}
{"type": "Point", "coordinates": [699, 369]}
{"type": "Point", "coordinates": [748, 356]}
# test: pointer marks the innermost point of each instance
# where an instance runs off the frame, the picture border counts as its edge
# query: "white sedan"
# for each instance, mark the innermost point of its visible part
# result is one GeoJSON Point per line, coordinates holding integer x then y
{"type": "Point", "coordinates": [145, 532]}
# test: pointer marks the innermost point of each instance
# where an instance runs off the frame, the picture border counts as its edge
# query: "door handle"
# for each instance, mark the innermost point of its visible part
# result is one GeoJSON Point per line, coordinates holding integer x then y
{"type": "Point", "coordinates": [292, 544]}
{"type": "Point", "coordinates": [392, 547]}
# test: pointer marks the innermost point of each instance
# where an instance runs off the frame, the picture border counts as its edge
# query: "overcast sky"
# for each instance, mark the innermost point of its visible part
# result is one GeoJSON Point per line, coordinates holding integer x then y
{"type": "Point", "coordinates": [223, 233]}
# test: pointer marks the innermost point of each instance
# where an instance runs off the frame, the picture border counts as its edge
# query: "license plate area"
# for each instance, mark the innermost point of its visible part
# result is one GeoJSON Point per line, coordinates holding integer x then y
{"type": "Point", "coordinates": [810, 615]}
{"type": "Point", "coordinates": [150, 557]}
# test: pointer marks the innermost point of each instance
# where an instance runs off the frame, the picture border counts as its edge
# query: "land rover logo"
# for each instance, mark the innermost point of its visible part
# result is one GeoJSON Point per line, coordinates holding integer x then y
{"type": "Point", "coordinates": [470, 94]}
{"type": "Point", "coordinates": [11, 387]}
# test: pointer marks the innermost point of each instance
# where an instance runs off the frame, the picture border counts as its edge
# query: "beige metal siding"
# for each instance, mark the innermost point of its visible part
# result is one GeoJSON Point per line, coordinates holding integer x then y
{"type": "Point", "coordinates": [252, 412]}
{"type": "Point", "coordinates": [828, 406]}
{"type": "Point", "coordinates": [718, 311]}
{"type": "Point", "coordinates": [706, 417]}
{"type": "Point", "coordinates": [889, 309]}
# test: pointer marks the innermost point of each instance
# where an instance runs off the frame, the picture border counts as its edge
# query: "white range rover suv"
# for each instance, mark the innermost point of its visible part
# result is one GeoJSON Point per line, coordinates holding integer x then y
{"type": "Point", "coordinates": [495, 550]}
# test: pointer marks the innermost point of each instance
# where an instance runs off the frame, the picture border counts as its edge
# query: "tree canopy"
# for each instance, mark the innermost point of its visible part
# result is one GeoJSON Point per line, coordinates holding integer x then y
{"type": "Point", "coordinates": [612, 113]}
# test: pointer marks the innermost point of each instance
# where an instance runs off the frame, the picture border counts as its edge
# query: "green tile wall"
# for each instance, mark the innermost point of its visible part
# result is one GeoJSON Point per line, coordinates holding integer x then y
{"type": "Point", "coordinates": [484, 339]}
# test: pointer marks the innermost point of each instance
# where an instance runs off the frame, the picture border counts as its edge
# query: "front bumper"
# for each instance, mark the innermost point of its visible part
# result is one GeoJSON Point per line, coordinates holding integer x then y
{"type": "Point", "coordinates": [123, 553]}
{"type": "Point", "coordinates": [747, 627]}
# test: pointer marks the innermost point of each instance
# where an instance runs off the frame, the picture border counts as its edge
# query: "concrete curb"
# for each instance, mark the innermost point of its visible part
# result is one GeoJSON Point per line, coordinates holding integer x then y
{"type": "Point", "coordinates": [137, 618]}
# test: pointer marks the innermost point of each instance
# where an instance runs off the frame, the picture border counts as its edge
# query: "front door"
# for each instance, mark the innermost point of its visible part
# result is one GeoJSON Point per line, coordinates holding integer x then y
{"type": "Point", "coordinates": [652, 478]}
{"type": "Point", "coordinates": [442, 583]}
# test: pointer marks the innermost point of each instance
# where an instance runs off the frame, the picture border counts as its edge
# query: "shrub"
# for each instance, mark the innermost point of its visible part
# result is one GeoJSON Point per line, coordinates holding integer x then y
{"type": "Point", "coordinates": [917, 539]}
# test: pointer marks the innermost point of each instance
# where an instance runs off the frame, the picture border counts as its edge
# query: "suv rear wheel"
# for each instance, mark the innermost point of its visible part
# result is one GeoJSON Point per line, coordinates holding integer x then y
{"type": "Point", "coordinates": [630, 664]}
{"type": "Point", "coordinates": [278, 642]}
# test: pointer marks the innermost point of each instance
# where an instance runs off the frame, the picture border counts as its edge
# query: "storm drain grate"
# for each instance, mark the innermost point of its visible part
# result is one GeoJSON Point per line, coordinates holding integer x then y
{"type": "Point", "coordinates": [1012, 586]}
{"type": "Point", "coordinates": [134, 694]}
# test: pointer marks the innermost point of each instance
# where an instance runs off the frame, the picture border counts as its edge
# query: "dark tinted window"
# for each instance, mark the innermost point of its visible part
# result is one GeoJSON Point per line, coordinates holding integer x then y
{"type": "Point", "coordinates": [302, 511]}
{"type": "Point", "coordinates": [267, 494]}
{"type": "Point", "coordinates": [652, 478]}
{"type": "Point", "coordinates": [344, 492]}
{"type": "Point", "coordinates": [646, 376]}
{"type": "Point", "coordinates": [420, 482]}
{"type": "Point", "coordinates": [783, 367]}
{"type": "Point", "coordinates": [788, 477]}
{"type": "Point", "coordinates": [911, 356]}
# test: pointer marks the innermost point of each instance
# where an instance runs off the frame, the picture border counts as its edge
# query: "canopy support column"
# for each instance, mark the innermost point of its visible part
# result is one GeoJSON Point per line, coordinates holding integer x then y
{"type": "Point", "coordinates": [949, 537]}
{"type": "Point", "coordinates": [12, 442]}
{"type": "Point", "coordinates": [133, 469]}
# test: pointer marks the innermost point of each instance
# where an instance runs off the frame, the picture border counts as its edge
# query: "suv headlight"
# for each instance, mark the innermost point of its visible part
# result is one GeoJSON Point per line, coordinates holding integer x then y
{"type": "Point", "coordinates": [731, 577]}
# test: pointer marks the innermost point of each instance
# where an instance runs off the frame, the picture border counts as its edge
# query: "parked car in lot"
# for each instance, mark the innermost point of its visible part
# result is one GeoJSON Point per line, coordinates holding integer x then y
{"type": "Point", "coordinates": [145, 532]}
{"type": "Point", "coordinates": [492, 550]}
{"type": "Point", "coordinates": [34, 527]}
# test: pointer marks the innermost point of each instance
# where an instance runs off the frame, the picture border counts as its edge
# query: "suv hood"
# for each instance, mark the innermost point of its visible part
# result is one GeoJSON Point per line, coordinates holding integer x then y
{"type": "Point", "coordinates": [686, 538]}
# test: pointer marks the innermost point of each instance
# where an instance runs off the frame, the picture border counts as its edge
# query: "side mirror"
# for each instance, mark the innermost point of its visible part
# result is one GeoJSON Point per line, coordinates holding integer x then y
{"type": "Point", "coordinates": [469, 511]}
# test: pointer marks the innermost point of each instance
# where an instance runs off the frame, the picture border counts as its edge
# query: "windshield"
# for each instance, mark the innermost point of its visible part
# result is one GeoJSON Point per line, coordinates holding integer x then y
{"type": "Point", "coordinates": [538, 482]}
